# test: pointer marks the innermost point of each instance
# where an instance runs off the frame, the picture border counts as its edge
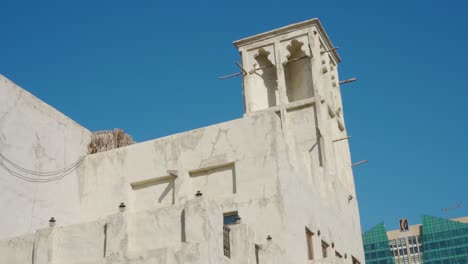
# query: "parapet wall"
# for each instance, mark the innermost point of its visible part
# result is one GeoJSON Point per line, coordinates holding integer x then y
{"type": "Point", "coordinates": [187, 234]}
{"type": "Point", "coordinates": [192, 233]}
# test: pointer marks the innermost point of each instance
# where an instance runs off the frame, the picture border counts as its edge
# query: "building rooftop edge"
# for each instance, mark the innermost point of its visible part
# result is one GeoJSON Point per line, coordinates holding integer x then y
{"type": "Point", "coordinates": [54, 110]}
{"type": "Point", "coordinates": [462, 219]}
{"type": "Point", "coordinates": [272, 33]}
{"type": "Point", "coordinates": [169, 137]}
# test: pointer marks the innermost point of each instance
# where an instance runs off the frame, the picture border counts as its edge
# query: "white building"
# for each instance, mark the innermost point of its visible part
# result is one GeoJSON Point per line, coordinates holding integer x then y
{"type": "Point", "coordinates": [284, 168]}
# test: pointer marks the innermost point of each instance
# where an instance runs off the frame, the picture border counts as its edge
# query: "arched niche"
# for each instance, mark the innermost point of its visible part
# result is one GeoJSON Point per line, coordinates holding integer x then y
{"type": "Point", "coordinates": [297, 71]}
{"type": "Point", "coordinates": [263, 79]}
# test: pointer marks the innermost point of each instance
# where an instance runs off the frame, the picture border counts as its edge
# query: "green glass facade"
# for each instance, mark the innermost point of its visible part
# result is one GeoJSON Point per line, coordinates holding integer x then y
{"type": "Point", "coordinates": [436, 241]}
{"type": "Point", "coordinates": [376, 246]}
{"type": "Point", "coordinates": [444, 241]}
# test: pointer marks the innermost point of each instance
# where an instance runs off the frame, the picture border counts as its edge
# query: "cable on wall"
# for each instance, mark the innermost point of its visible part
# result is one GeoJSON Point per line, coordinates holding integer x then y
{"type": "Point", "coordinates": [37, 176]}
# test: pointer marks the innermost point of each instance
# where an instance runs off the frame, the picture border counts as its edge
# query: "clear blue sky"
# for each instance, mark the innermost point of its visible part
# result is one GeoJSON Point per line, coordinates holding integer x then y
{"type": "Point", "coordinates": [151, 68]}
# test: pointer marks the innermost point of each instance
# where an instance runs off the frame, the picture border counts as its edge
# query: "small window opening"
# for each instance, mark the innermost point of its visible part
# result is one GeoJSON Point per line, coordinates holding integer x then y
{"type": "Point", "coordinates": [310, 248]}
{"type": "Point", "coordinates": [226, 241]}
{"type": "Point", "coordinates": [230, 218]}
{"type": "Point", "coordinates": [338, 255]}
{"type": "Point", "coordinates": [324, 249]}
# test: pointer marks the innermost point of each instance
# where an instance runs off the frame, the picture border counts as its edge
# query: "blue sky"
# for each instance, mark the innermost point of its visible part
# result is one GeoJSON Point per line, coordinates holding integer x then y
{"type": "Point", "coordinates": [151, 68]}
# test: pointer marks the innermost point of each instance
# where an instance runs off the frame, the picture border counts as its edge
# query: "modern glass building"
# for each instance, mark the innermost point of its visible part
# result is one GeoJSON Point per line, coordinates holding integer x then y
{"type": "Point", "coordinates": [376, 246]}
{"type": "Point", "coordinates": [445, 241]}
{"type": "Point", "coordinates": [435, 241]}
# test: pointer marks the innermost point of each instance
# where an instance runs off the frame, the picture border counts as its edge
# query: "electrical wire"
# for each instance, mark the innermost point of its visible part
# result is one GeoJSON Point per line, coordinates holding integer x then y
{"type": "Point", "coordinates": [36, 176]}
{"type": "Point", "coordinates": [49, 173]}
{"type": "Point", "coordinates": [40, 180]}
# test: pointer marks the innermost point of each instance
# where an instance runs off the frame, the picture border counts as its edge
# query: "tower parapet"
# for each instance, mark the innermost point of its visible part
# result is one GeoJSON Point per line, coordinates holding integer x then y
{"type": "Point", "coordinates": [287, 65]}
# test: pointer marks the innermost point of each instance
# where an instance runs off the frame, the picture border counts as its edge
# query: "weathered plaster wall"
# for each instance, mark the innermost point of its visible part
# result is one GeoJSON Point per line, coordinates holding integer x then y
{"type": "Point", "coordinates": [234, 162]}
{"type": "Point", "coordinates": [122, 238]}
{"type": "Point", "coordinates": [317, 193]}
{"type": "Point", "coordinates": [112, 240]}
{"type": "Point", "coordinates": [316, 182]}
{"type": "Point", "coordinates": [280, 187]}
{"type": "Point", "coordinates": [37, 137]}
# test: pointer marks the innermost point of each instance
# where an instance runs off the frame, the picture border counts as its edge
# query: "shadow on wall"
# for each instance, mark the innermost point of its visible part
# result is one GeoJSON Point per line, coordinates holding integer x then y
{"type": "Point", "coordinates": [297, 71]}
{"type": "Point", "coordinates": [216, 181]}
{"type": "Point", "coordinates": [269, 76]}
{"type": "Point", "coordinates": [161, 190]}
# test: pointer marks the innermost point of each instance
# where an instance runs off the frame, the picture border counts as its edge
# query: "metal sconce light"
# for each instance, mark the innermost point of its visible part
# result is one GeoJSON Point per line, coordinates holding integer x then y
{"type": "Point", "coordinates": [52, 222]}
{"type": "Point", "coordinates": [122, 207]}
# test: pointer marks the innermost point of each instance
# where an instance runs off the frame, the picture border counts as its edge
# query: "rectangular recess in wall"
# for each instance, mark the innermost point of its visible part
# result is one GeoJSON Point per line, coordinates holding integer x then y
{"type": "Point", "coordinates": [324, 249]}
{"type": "Point", "coordinates": [153, 192]}
{"type": "Point", "coordinates": [310, 246]}
{"type": "Point", "coordinates": [215, 180]}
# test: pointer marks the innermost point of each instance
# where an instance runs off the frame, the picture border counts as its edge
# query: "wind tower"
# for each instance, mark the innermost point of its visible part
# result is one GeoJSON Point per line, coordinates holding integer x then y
{"type": "Point", "coordinates": [293, 68]}
{"type": "Point", "coordinates": [293, 72]}
{"type": "Point", "coordinates": [288, 65]}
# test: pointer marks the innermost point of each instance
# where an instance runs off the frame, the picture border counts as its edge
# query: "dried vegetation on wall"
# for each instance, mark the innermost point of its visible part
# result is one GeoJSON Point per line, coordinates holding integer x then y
{"type": "Point", "coordinates": [109, 139]}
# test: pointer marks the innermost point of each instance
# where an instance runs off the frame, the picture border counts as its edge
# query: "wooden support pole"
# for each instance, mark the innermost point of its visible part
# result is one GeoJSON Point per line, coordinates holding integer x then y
{"type": "Point", "coordinates": [240, 66]}
{"type": "Point", "coordinates": [296, 59]}
{"type": "Point", "coordinates": [359, 163]}
{"type": "Point", "coordinates": [330, 50]}
{"type": "Point", "coordinates": [261, 68]}
{"type": "Point", "coordinates": [348, 81]}
{"type": "Point", "coordinates": [230, 75]}
{"type": "Point", "coordinates": [340, 139]}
